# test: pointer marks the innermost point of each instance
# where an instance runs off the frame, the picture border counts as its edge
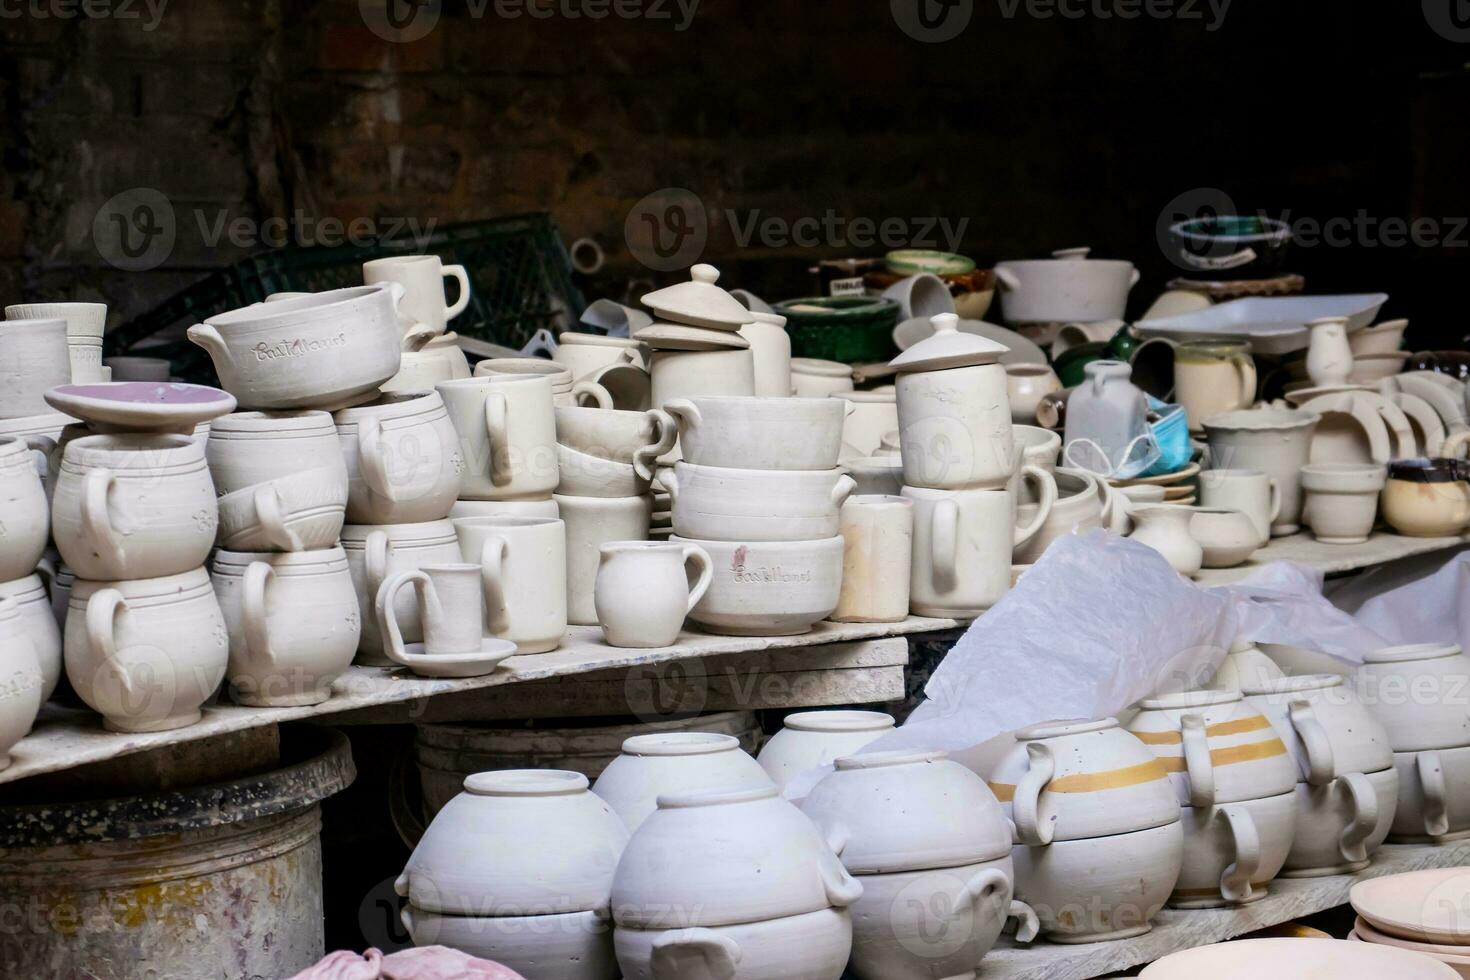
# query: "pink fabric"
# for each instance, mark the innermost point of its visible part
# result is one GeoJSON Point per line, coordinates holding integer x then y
{"type": "Point", "coordinates": [426, 963]}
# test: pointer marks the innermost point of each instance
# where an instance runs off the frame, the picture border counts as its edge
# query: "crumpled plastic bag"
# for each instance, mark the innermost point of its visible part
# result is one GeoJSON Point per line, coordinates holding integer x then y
{"type": "Point", "coordinates": [1413, 600]}
{"type": "Point", "coordinates": [1283, 603]}
{"type": "Point", "coordinates": [422, 963]}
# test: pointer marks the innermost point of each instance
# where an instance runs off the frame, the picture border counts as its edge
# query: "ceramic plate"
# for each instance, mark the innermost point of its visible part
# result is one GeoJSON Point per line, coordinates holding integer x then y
{"type": "Point", "coordinates": [1295, 959]}
{"type": "Point", "coordinates": [141, 406]}
{"type": "Point", "coordinates": [492, 652]}
{"type": "Point", "coordinates": [673, 336]}
{"type": "Point", "coordinates": [1422, 906]}
{"type": "Point", "coordinates": [1448, 954]}
{"type": "Point", "coordinates": [1178, 476]}
{"type": "Point", "coordinates": [1022, 351]}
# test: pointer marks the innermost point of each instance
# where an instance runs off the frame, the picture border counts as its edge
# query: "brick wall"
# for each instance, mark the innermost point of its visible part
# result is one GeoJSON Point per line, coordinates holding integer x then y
{"type": "Point", "coordinates": [1038, 133]}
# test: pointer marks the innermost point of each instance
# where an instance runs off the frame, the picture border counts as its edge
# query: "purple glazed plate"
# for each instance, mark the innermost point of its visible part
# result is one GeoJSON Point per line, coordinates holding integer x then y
{"type": "Point", "coordinates": [141, 406]}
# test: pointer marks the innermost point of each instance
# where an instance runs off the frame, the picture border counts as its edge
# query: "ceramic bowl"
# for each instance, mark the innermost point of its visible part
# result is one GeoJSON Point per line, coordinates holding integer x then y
{"type": "Point", "coordinates": [1067, 780]}
{"type": "Point", "coordinates": [517, 842]}
{"type": "Point", "coordinates": [1268, 959]}
{"type": "Point", "coordinates": [1232, 852]}
{"type": "Point", "coordinates": [1372, 368]}
{"type": "Point", "coordinates": [1227, 537]}
{"type": "Point", "coordinates": [1078, 507]}
{"type": "Point", "coordinates": [1416, 693]}
{"type": "Point", "coordinates": [907, 811]}
{"type": "Point", "coordinates": [505, 508]}
{"type": "Point", "coordinates": [1040, 447]}
{"type": "Point", "coordinates": [760, 433]}
{"type": "Point", "coordinates": [814, 946]}
{"type": "Point", "coordinates": [717, 857]}
{"type": "Point", "coordinates": [768, 588]}
{"type": "Point", "coordinates": [582, 474]}
{"type": "Point", "coordinates": [620, 436]}
{"type": "Point", "coordinates": [1326, 728]}
{"type": "Point", "coordinates": [1426, 497]}
{"type": "Point", "coordinates": [651, 765]}
{"type": "Point", "coordinates": [572, 946]}
{"type": "Point", "coordinates": [813, 377]}
{"type": "Point", "coordinates": [809, 739]}
{"type": "Point", "coordinates": [726, 503]}
{"type": "Point", "coordinates": [1380, 338]}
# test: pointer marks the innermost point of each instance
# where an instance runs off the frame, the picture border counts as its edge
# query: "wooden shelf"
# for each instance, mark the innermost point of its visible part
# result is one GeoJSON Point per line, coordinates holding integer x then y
{"type": "Point", "coordinates": [1331, 559]}
{"type": "Point", "coordinates": [1173, 930]}
{"type": "Point", "coordinates": [64, 738]}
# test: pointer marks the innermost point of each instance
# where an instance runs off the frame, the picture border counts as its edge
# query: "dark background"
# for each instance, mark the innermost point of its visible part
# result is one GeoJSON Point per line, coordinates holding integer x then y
{"type": "Point", "coordinates": [1039, 132]}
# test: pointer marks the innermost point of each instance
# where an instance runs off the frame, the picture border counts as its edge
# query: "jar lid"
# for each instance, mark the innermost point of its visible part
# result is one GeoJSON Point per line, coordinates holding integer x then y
{"type": "Point", "coordinates": [699, 302]}
{"type": "Point", "coordinates": [948, 347]}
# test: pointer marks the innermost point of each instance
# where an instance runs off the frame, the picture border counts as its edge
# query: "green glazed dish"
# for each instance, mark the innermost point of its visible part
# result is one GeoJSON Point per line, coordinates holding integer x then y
{"type": "Point", "coordinates": [912, 261]}
{"type": "Point", "coordinates": [851, 329]}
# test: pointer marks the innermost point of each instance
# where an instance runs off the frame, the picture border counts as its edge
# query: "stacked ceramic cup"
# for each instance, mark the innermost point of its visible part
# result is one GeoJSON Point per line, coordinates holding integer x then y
{"type": "Point", "coordinates": [430, 354]}
{"type": "Point", "coordinates": [759, 490]}
{"type": "Point", "coordinates": [602, 364]}
{"type": "Point", "coordinates": [30, 643]}
{"type": "Point", "coordinates": [963, 471]}
{"type": "Point", "coordinates": [35, 360]}
{"type": "Point", "coordinates": [605, 461]}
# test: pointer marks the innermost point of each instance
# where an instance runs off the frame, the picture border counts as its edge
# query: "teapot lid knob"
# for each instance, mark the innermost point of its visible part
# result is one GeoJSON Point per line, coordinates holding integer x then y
{"type": "Point", "coordinates": [704, 273]}
{"type": "Point", "coordinates": [945, 322]}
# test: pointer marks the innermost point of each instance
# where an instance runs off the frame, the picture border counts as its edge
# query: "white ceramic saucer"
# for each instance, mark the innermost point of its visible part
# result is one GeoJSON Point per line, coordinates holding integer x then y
{"type": "Point", "coordinates": [492, 651]}
{"type": "Point", "coordinates": [141, 406]}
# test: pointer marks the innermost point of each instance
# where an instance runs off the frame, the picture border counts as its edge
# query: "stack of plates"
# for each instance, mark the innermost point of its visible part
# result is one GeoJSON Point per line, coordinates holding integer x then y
{"type": "Point", "coordinates": [1426, 912]}
{"type": "Point", "coordinates": [1180, 487]}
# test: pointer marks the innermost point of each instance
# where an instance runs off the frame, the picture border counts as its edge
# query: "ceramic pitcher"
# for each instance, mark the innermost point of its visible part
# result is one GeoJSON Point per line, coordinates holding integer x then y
{"type": "Point", "coordinates": [642, 592]}
{"type": "Point", "coordinates": [1213, 376]}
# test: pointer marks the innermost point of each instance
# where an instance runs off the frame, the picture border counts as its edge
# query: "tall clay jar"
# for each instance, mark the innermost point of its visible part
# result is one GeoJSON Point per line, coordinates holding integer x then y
{"type": "Point", "coordinates": [954, 412]}
{"type": "Point", "coordinates": [877, 544]}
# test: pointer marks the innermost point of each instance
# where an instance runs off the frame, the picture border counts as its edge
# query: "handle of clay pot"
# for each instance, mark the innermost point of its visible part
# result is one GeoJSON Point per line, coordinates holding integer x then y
{"type": "Point", "coordinates": [1028, 926]}
{"type": "Point", "coordinates": [386, 609]}
{"type": "Point", "coordinates": [1007, 279]}
{"type": "Point", "coordinates": [699, 558]}
{"type": "Point", "coordinates": [1245, 366]}
{"type": "Point", "coordinates": [1431, 783]}
{"type": "Point", "coordinates": [840, 490]}
{"type": "Point", "coordinates": [944, 537]}
{"type": "Point", "coordinates": [1046, 492]}
{"type": "Point", "coordinates": [252, 611]}
{"type": "Point", "coordinates": [669, 480]}
{"type": "Point", "coordinates": [1275, 501]}
{"type": "Point", "coordinates": [1354, 841]}
{"type": "Point", "coordinates": [417, 336]}
{"type": "Point", "coordinates": [685, 411]}
{"type": "Point", "coordinates": [97, 519]}
{"type": "Point", "coordinates": [1402, 435]}
{"type": "Point", "coordinates": [272, 518]}
{"type": "Point", "coordinates": [1320, 762]}
{"type": "Point", "coordinates": [43, 447]}
{"type": "Point", "coordinates": [492, 583]}
{"type": "Point", "coordinates": [593, 390]}
{"type": "Point", "coordinates": [1197, 762]}
{"type": "Point", "coordinates": [457, 273]}
{"type": "Point", "coordinates": [47, 572]}
{"type": "Point", "coordinates": [1235, 880]}
{"type": "Point", "coordinates": [373, 458]}
{"type": "Point", "coordinates": [1026, 804]}
{"type": "Point", "coordinates": [101, 622]}
{"type": "Point", "coordinates": [497, 428]}
{"type": "Point", "coordinates": [693, 954]}
{"type": "Point", "coordinates": [666, 434]}
{"type": "Point", "coordinates": [206, 336]}
{"type": "Point", "coordinates": [374, 563]}
{"type": "Point", "coordinates": [406, 917]}
{"type": "Point", "coordinates": [1454, 444]}
{"type": "Point", "coordinates": [986, 886]}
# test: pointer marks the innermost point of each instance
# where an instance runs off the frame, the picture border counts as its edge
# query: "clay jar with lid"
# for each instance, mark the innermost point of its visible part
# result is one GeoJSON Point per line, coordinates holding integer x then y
{"type": "Point", "coordinates": [926, 838]}
{"type": "Point", "coordinates": [670, 762]}
{"type": "Point", "coordinates": [953, 411]}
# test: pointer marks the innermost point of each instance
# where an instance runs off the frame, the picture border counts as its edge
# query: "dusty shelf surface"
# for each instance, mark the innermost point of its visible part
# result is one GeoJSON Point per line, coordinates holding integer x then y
{"type": "Point", "coordinates": [64, 737]}
{"type": "Point", "coordinates": [1287, 899]}
{"type": "Point", "coordinates": [1332, 559]}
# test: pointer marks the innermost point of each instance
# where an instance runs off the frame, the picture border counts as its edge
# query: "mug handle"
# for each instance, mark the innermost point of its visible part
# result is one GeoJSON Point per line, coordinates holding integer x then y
{"type": "Point", "coordinates": [97, 527]}
{"type": "Point", "coordinates": [492, 583]}
{"type": "Point", "coordinates": [685, 411]}
{"type": "Point", "coordinates": [272, 518]}
{"type": "Point", "coordinates": [1235, 880]}
{"type": "Point", "coordinates": [1027, 802]}
{"type": "Point", "coordinates": [670, 482]}
{"type": "Point", "coordinates": [685, 953]}
{"type": "Point", "coordinates": [595, 391]}
{"type": "Point", "coordinates": [417, 336]}
{"type": "Point", "coordinates": [1275, 501]}
{"type": "Point", "coordinates": [840, 490]}
{"type": "Point", "coordinates": [1197, 762]}
{"type": "Point", "coordinates": [43, 447]}
{"type": "Point", "coordinates": [373, 459]}
{"type": "Point", "coordinates": [1431, 782]}
{"type": "Point", "coordinates": [1028, 926]}
{"type": "Point", "coordinates": [1047, 491]}
{"type": "Point", "coordinates": [1245, 366]}
{"type": "Point", "coordinates": [100, 623]}
{"type": "Point", "coordinates": [1455, 444]}
{"type": "Point", "coordinates": [497, 427]}
{"type": "Point", "coordinates": [252, 611]}
{"type": "Point", "coordinates": [1353, 844]}
{"type": "Point", "coordinates": [944, 535]}
{"type": "Point", "coordinates": [985, 886]}
{"type": "Point", "coordinates": [457, 273]}
{"type": "Point", "coordinates": [374, 562]}
{"type": "Point", "coordinates": [696, 555]}
{"type": "Point", "coordinates": [387, 611]}
{"type": "Point", "coordinates": [667, 431]}
{"type": "Point", "coordinates": [1320, 761]}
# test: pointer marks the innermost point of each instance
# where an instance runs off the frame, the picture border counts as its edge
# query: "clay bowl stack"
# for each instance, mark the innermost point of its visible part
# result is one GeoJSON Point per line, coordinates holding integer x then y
{"type": "Point", "coordinates": [1419, 912]}
{"type": "Point", "coordinates": [759, 490]}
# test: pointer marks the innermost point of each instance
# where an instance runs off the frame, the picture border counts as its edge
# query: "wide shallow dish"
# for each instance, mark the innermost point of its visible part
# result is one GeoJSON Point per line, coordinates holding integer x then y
{"type": "Point", "coordinates": [1431, 906]}
{"type": "Point", "coordinates": [1271, 324]}
{"type": "Point", "coordinates": [141, 406]}
{"type": "Point", "coordinates": [1295, 959]}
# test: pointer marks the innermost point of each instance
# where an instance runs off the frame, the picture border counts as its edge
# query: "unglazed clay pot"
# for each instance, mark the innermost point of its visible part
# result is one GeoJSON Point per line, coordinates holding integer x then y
{"type": "Point", "coordinates": [674, 762]}
{"type": "Point", "coordinates": [1342, 500]}
{"type": "Point", "coordinates": [606, 453]}
{"type": "Point", "coordinates": [1433, 797]}
{"type": "Point", "coordinates": [21, 682]}
{"type": "Point", "coordinates": [809, 739]}
{"type": "Point", "coordinates": [507, 434]}
{"type": "Point", "coordinates": [134, 506]}
{"type": "Point", "coordinates": [877, 549]}
{"type": "Point", "coordinates": [760, 433]}
{"type": "Point", "coordinates": [725, 503]}
{"type": "Point", "coordinates": [1226, 537]}
{"type": "Point", "coordinates": [1213, 376]}
{"type": "Point", "coordinates": [523, 562]}
{"type": "Point", "coordinates": [1026, 386]}
{"type": "Point", "coordinates": [584, 353]}
{"type": "Point", "coordinates": [506, 508]}
{"type": "Point", "coordinates": [770, 350]}
{"type": "Point", "coordinates": [146, 654]}
{"type": "Point", "coordinates": [815, 378]}
{"type": "Point", "coordinates": [24, 514]}
{"type": "Point", "coordinates": [325, 350]}
{"type": "Point", "coordinates": [814, 946]}
{"type": "Point", "coordinates": [592, 522]}
{"type": "Point", "coordinates": [517, 842]}
{"type": "Point", "coordinates": [570, 946]}
{"type": "Point", "coordinates": [36, 360]}
{"type": "Point", "coordinates": [1347, 788]}
{"type": "Point", "coordinates": [1078, 507]}
{"type": "Point", "coordinates": [1250, 491]}
{"type": "Point", "coordinates": [375, 554]}
{"type": "Point", "coordinates": [403, 459]}
{"type": "Point", "coordinates": [1276, 441]}
{"type": "Point", "coordinates": [643, 591]}
{"type": "Point", "coordinates": [1329, 356]}
{"type": "Point", "coordinates": [1069, 287]}
{"type": "Point", "coordinates": [768, 588]}
{"type": "Point", "coordinates": [293, 621]}
{"type": "Point", "coordinates": [1426, 498]}
{"type": "Point", "coordinates": [37, 622]}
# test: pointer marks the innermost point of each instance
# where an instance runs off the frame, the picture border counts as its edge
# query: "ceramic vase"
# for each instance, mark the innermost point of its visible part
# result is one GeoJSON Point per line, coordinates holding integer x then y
{"type": "Point", "coordinates": [1329, 355]}
{"type": "Point", "coordinates": [1165, 528]}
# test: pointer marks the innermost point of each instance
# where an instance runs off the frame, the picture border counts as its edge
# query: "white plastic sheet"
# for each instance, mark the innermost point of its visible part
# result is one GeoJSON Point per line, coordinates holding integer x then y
{"type": "Point", "coordinates": [1282, 603]}
{"type": "Point", "coordinates": [1415, 600]}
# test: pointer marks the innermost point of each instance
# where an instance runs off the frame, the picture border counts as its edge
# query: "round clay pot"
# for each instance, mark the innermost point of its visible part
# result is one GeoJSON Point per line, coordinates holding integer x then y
{"type": "Point", "coordinates": [1415, 693]}
{"type": "Point", "coordinates": [570, 946]}
{"type": "Point", "coordinates": [1434, 796]}
{"type": "Point", "coordinates": [814, 946]}
{"type": "Point", "coordinates": [22, 684]}
{"type": "Point", "coordinates": [1233, 851]}
{"type": "Point", "coordinates": [809, 739]}
{"type": "Point", "coordinates": [38, 623]}
{"type": "Point", "coordinates": [676, 762]}
{"type": "Point", "coordinates": [725, 503]}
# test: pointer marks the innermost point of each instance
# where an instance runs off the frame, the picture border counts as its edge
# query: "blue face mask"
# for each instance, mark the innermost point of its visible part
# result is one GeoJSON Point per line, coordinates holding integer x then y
{"type": "Point", "coordinates": [1171, 433]}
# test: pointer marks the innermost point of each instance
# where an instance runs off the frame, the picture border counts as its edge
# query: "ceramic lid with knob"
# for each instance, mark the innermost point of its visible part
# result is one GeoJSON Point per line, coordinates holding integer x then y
{"type": "Point", "coordinates": [948, 347]}
{"type": "Point", "coordinates": [676, 336]}
{"type": "Point", "coordinates": [699, 302]}
{"type": "Point", "coordinates": [725, 857]}
{"type": "Point", "coordinates": [889, 812]}
{"type": "Point", "coordinates": [517, 842]}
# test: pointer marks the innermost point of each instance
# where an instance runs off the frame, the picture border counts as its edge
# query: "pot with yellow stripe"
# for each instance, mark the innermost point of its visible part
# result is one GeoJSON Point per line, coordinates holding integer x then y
{"type": "Point", "coordinates": [1234, 781]}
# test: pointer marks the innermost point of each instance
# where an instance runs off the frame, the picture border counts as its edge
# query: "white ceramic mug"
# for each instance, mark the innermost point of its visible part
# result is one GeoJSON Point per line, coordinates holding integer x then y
{"type": "Point", "coordinates": [37, 623]}
{"type": "Point", "coordinates": [146, 654]}
{"type": "Point", "coordinates": [963, 542]}
{"type": "Point", "coordinates": [507, 435]}
{"type": "Point", "coordinates": [293, 621]}
{"type": "Point", "coordinates": [374, 554]}
{"type": "Point", "coordinates": [591, 522]}
{"type": "Point", "coordinates": [449, 599]}
{"type": "Point", "coordinates": [403, 457]}
{"type": "Point", "coordinates": [1213, 376]}
{"type": "Point", "coordinates": [24, 513]}
{"type": "Point", "coordinates": [584, 353]}
{"type": "Point", "coordinates": [300, 512]}
{"type": "Point", "coordinates": [642, 592]}
{"type": "Point", "coordinates": [134, 506]}
{"type": "Point", "coordinates": [1251, 491]}
{"type": "Point", "coordinates": [249, 448]}
{"type": "Point", "coordinates": [422, 278]}
{"type": "Point", "coordinates": [878, 539]}
{"type": "Point", "coordinates": [36, 359]}
{"type": "Point", "coordinates": [523, 567]}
